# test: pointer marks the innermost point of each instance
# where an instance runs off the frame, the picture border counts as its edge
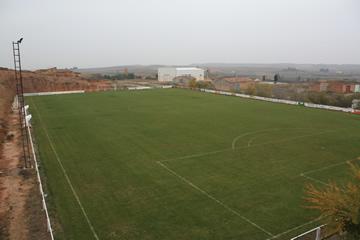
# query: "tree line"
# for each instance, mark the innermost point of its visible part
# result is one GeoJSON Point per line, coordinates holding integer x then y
{"type": "Point", "coordinates": [119, 76]}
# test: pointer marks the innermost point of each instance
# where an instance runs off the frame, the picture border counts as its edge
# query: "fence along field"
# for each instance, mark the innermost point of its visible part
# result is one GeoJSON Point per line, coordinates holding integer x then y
{"type": "Point", "coordinates": [176, 164]}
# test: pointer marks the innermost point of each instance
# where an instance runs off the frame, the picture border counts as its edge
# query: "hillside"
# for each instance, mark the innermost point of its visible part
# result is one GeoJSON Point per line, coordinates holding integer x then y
{"type": "Point", "coordinates": [55, 80]}
{"type": "Point", "coordinates": [288, 71]}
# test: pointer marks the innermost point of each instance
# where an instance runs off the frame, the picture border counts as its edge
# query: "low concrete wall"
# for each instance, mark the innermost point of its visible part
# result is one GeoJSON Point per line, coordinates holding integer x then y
{"type": "Point", "coordinates": [146, 87]}
{"type": "Point", "coordinates": [310, 105]}
{"type": "Point", "coordinates": [52, 93]}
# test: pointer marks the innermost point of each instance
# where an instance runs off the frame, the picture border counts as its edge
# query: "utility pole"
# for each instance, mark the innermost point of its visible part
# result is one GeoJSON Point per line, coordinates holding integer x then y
{"type": "Point", "coordinates": [21, 104]}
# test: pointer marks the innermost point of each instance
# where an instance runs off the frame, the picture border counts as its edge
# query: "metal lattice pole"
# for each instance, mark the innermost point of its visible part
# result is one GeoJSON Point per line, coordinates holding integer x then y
{"type": "Point", "coordinates": [21, 104]}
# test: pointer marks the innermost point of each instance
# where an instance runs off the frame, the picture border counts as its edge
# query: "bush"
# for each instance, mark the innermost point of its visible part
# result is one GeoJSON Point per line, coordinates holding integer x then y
{"type": "Point", "coordinates": [263, 90]}
{"type": "Point", "coordinates": [339, 206]}
{"type": "Point", "coordinates": [192, 83]}
{"type": "Point", "coordinates": [204, 84]}
{"type": "Point", "coordinates": [119, 76]}
{"type": "Point", "coordinates": [250, 90]}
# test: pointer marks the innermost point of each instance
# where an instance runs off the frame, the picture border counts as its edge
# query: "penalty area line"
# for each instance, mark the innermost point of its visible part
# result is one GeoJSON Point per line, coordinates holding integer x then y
{"type": "Point", "coordinates": [313, 179]}
{"type": "Point", "coordinates": [214, 199]}
{"type": "Point", "coordinates": [66, 176]}
{"type": "Point", "coordinates": [331, 166]}
{"type": "Point", "coordinates": [196, 155]}
{"type": "Point", "coordinates": [305, 174]}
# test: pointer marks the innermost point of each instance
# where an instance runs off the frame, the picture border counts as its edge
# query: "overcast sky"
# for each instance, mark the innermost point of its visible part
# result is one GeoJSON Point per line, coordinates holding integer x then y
{"type": "Point", "coordinates": [95, 33]}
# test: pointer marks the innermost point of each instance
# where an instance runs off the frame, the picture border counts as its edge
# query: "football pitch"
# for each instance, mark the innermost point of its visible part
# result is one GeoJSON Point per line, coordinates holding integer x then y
{"type": "Point", "coordinates": [179, 164]}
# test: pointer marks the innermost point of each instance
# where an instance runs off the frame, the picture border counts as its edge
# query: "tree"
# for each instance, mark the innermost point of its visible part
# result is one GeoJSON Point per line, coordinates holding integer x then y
{"type": "Point", "coordinates": [192, 83]}
{"type": "Point", "coordinates": [339, 206]}
{"type": "Point", "coordinates": [263, 90]}
{"type": "Point", "coordinates": [251, 90]}
{"type": "Point", "coordinates": [204, 84]}
{"type": "Point", "coordinates": [276, 78]}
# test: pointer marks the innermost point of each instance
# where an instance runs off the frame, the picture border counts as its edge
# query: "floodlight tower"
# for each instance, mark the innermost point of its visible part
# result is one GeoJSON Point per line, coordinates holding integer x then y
{"type": "Point", "coordinates": [21, 104]}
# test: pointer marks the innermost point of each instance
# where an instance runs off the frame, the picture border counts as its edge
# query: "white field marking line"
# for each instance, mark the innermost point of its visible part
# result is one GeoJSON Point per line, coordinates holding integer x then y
{"type": "Point", "coordinates": [66, 176]}
{"type": "Point", "coordinates": [293, 229]}
{"type": "Point", "coordinates": [331, 166]}
{"type": "Point", "coordinates": [233, 144]}
{"type": "Point", "coordinates": [288, 139]}
{"type": "Point", "coordinates": [307, 232]}
{"type": "Point", "coordinates": [197, 155]}
{"type": "Point", "coordinates": [304, 174]}
{"type": "Point", "coordinates": [251, 140]}
{"type": "Point", "coordinates": [255, 145]}
{"type": "Point", "coordinates": [214, 199]}
{"type": "Point", "coordinates": [314, 179]}
{"type": "Point", "coordinates": [275, 129]}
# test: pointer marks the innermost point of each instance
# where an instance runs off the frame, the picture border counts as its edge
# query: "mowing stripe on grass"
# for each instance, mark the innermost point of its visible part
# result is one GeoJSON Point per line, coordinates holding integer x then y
{"type": "Point", "coordinates": [214, 199]}
{"type": "Point", "coordinates": [66, 175]}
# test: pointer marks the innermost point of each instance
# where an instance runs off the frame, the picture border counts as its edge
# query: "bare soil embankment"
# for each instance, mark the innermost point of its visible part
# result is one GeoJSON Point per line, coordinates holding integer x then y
{"type": "Point", "coordinates": [21, 216]}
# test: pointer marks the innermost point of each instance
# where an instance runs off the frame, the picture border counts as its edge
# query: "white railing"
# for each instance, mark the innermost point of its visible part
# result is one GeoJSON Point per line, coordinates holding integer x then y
{"type": "Point", "coordinates": [275, 100]}
{"type": "Point", "coordinates": [139, 88]}
{"type": "Point", "coordinates": [147, 87]}
{"type": "Point", "coordinates": [52, 93]}
{"type": "Point", "coordinates": [40, 186]}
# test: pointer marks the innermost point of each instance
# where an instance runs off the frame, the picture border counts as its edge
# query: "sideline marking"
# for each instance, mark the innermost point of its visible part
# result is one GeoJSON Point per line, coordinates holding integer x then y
{"type": "Point", "coordinates": [214, 199]}
{"type": "Point", "coordinates": [294, 228]}
{"type": "Point", "coordinates": [66, 175]}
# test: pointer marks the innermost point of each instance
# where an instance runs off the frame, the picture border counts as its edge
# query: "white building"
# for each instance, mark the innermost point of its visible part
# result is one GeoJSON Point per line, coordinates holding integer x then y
{"type": "Point", "coordinates": [169, 73]}
{"type": "Point", "coordinates": [357, 88]}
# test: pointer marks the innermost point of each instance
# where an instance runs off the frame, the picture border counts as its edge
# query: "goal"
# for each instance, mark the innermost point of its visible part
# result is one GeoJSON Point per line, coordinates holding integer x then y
{"type": "Point", "coordinates": [313, 234]}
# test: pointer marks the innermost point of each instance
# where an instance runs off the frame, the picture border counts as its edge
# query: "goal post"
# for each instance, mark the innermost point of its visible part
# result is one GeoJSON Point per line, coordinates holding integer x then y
{"type": "Point", "coordinates": [313, 234]}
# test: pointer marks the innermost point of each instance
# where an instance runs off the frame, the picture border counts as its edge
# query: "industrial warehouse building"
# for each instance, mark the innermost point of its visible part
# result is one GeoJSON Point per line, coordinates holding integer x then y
{"type": "Point", "coordinates": [169, 73]}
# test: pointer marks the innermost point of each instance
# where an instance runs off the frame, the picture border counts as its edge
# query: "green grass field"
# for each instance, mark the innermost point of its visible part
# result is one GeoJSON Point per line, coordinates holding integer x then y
{"type": "Point", "coordinates": [178, 164]}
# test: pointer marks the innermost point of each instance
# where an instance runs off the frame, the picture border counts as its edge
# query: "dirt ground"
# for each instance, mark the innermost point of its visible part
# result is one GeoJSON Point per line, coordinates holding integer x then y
{"type": "Point", "coordinates": [21, 214]}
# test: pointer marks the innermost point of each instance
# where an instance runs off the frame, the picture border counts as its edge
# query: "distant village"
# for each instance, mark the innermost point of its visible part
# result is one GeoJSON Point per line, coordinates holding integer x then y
{"type": "Point", "coordinates": [327, 92]}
